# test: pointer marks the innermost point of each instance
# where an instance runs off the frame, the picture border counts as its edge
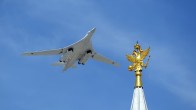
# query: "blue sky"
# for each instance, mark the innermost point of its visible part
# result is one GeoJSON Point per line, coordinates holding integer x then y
{"type": "Point", "coordinates": [31, 83]}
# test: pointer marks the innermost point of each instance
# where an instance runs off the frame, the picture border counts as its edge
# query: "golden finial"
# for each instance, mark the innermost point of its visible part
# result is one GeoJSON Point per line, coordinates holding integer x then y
{"type": "Point", "coordinates": [137, 58]}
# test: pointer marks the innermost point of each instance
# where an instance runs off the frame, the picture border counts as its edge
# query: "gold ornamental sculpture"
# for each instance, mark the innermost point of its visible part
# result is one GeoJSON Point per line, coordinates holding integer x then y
{"type": "Point", "coordinates": [137, 58]}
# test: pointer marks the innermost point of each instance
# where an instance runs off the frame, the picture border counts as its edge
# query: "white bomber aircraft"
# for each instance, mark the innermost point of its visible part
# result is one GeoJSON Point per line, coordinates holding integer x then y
{"type": "Point", "coordinates": [79, 52]}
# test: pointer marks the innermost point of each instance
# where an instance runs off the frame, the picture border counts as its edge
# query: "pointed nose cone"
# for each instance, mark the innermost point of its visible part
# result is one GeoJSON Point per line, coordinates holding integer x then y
{"type": "Point", "coordinates": [93, 30]}
{"type": "Point", "coordinates": [90, 33]}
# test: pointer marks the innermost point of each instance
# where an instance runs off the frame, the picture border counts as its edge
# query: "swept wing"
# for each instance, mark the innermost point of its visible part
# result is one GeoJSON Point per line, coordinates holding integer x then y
{"type": "Point", "coordinates": [50, 52]}
{"type": "Point", "coordinates": [98, 57]}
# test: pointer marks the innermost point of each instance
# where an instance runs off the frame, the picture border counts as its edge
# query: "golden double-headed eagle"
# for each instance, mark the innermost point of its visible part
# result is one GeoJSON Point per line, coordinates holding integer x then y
{"type": "Point", "coordinates": [137, 58]}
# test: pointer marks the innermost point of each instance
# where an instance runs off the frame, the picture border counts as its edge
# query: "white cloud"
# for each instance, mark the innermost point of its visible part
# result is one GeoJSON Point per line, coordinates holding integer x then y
{"type": "Point", "coordinates": [173, 74]}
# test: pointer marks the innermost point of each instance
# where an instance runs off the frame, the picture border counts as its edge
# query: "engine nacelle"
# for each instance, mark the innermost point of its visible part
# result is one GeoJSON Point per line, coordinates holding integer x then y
{"type": "Point", "coordinates": [70, 49]}
{"type": "Point", "coordinates": [84, 59]}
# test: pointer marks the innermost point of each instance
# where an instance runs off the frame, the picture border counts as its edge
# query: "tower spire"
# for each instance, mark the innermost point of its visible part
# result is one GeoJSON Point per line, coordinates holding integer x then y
{"type": "Point", "coordinates": [137, 57]}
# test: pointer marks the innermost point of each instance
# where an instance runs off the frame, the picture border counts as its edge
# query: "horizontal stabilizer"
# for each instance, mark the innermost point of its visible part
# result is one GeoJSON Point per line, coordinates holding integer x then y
{"type": "Point", "coordinates": [58, 64]}
{"type": "Point", "coordinates": [74, 66]}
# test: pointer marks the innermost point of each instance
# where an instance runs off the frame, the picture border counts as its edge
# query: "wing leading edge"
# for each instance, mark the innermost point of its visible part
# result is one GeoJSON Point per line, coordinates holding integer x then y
{"type": "Point", "coordinates": [51, 52]}
{"type": "Point", "coordinates": [46, 52]}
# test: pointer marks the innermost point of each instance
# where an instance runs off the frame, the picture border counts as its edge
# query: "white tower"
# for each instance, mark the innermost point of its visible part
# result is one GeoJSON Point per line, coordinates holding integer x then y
{"type": "Point", "coordinates": [137, 57]}
{"type": "Point", "coordinates": [138, 101]}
